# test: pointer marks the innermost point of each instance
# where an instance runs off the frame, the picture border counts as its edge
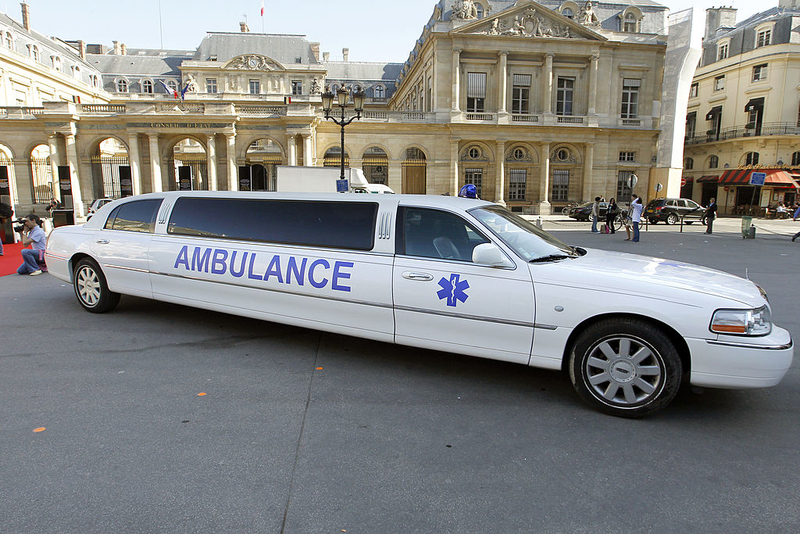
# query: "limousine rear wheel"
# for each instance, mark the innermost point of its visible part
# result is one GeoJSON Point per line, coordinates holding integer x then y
{"type": "Point", "coordinates": [91, 287]}
{"type": "Point", "coordinates": [625, 367]}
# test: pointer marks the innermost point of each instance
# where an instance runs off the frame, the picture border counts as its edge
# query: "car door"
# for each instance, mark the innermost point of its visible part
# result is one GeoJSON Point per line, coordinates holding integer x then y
{"type": "Point", "coordinates": [122, 246]}
{"type": "Point", "coordinates": [444, 301]}
{"type": "Point", "coordinates": [693, 210]}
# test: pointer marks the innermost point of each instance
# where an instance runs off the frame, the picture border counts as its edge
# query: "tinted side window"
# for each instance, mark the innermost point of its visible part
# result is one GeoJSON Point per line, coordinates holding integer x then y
{"type": "Point", "coordinates": [349, 225]}
{"type": "Point", "coordinates": [437, 234]}
{"type": "Point", "coordinates": [136, 216]}
{"type": "Point", "coordinates": [682, 203]}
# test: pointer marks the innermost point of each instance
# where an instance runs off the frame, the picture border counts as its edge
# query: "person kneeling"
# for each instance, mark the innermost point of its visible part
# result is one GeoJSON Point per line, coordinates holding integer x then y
{"type": "Point", "coordinates": [33, 258]}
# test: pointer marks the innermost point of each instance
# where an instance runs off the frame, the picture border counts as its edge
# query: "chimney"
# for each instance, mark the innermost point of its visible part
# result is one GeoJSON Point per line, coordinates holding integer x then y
{"type": "Point", "coordinates": [82, 49]}
{"type": "Point", "coordinates": [326, 56]}
{"type": "Point", "coordinates": [345, 53]}
{"type": "Point", "coordinates": [789, 4]}
{"type": "Point", "coordinates": [315, 50]}
{"type": "Point", "coordinates": [244, 28]}
{"type": "Point", "coordinates": [26, 16]}
{"type": "Point", "coordinates": [123, 50]}
{"type": "Point", "coordinates": [719, 17]}
{"type": "Point", "coordinates": [117, 48]}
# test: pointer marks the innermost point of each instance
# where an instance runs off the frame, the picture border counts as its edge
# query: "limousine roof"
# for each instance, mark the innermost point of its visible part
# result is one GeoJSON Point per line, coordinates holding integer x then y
{"type": "Point", "coordinates": [401, 199]}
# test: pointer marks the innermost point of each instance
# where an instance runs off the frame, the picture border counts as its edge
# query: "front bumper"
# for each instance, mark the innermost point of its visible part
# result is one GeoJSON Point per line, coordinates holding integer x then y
{"type": "Point", "coordinates": [739, 362]}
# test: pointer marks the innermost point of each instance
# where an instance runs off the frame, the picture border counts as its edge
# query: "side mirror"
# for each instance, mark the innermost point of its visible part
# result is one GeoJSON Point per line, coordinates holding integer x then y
{"type": "Point", "coordinates": [489, 254]}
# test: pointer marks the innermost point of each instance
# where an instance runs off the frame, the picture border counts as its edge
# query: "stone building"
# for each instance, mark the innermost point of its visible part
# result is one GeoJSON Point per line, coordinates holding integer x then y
{"type": "Point", "coordinates": [537, 103]}
{"type": "Point", "coordinates": [744, 111]}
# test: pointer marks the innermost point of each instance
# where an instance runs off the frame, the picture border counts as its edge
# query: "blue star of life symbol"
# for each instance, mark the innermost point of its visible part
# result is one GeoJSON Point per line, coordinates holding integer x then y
{"type": "Point", "coordinates": [453, 290]}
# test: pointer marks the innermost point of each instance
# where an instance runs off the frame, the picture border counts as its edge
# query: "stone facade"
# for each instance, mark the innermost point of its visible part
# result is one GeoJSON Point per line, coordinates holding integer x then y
{"type": "Point", "coordinates": [539, 104]}
{"type": "Point", "coordinates": [744, 109]}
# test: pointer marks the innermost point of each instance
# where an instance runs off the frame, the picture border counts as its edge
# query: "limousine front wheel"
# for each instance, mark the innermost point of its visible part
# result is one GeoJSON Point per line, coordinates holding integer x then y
{"type": "Point", "coordinates": [625, 367]}
{"type": "Point", "coordinates": [91, 288]}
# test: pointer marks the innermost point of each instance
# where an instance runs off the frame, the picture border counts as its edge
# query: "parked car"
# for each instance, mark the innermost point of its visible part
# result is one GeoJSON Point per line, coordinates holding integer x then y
{"type": "Point", "coordinates": [583, 212]}
{"type": "Point", "coordinates": [433, 272]}
{"type": "Point", "coordinates": [670, 210]}
{"type": "Point", "coordinates": [96, 205]}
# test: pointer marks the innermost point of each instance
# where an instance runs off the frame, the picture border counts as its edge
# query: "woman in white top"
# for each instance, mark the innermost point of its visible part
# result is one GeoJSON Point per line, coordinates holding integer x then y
{"type": "Point", "coordinates": [636, 215]}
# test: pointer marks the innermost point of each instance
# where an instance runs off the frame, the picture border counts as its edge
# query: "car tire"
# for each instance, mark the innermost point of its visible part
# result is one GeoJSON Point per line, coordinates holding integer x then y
{"type": "Point", "coordinates": [625, 367]}
{"type": "Point", "coordinates": [672, 219]}
{"type": "Point", "coordinates": [688, 222]}
{"type": "Point", "coordinates": [91, 288]}
{"type": "Point", "coordinates": [653, 221]}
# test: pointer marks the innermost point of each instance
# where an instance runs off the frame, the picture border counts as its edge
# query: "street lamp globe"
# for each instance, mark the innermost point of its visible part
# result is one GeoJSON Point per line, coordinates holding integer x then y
{"type": "Point", "coordinates": [343, 96]}
{"type": "Point", "coordinates": [358, 100]}
{"type": "Point", "coordinates": [327, 101]}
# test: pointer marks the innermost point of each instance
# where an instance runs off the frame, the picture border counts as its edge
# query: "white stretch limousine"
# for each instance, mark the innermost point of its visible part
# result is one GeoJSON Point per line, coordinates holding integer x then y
{"type": "Point", "coordinates": [437, 272]}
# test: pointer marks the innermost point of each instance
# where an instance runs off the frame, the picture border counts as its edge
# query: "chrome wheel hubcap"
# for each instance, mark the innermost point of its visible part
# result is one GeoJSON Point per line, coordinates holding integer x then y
{"type": "Point", "coordinates": [88, 286]}
{"type": "Point", "coordinates": [624, 371]}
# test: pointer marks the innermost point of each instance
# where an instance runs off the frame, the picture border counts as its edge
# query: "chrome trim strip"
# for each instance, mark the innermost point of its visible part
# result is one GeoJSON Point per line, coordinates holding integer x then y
{"type": "Point", "coordinates": [56, 256]}
{"type": "Point", "coordinates": [751, 345]}
{"type": "Point", "coordinates": [125, 268]}
{"type": "Point", "coordinates": [463, 316]}
{"type": "Point", "coordinates": [545, 326]}
{"type": "Point", "coordinates": [275, 290]}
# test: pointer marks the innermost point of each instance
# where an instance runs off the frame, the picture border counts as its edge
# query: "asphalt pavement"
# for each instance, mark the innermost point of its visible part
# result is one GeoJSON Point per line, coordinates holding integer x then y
{"type": "Point", "coordinates": [160, 418]}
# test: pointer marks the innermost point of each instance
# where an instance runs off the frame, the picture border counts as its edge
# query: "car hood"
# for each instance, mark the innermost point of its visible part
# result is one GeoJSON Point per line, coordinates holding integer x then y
{"type": "Point", "coordinates": [657, 277]}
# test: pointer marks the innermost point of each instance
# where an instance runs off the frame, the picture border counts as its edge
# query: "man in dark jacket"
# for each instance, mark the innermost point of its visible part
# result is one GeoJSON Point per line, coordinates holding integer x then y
{"type": "Point", "coordinates": [711, 214]}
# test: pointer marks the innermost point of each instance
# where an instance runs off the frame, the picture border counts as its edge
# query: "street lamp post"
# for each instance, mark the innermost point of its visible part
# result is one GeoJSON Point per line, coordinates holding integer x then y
{"type": "Point", "coordinates": [342, 97]}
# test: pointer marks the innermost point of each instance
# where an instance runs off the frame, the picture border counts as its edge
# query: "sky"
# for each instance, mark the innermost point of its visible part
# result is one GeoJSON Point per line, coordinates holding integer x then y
{"type": "Point", "coordinates": [372, 30]}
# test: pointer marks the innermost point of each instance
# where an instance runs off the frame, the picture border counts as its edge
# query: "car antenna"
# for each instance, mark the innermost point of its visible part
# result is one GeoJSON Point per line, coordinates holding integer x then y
{"type": "Point", "coordinates": [746, 274]}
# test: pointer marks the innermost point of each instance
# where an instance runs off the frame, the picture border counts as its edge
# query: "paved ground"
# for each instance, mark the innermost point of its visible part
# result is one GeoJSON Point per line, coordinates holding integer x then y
{"type": "Point", "coordinates": [303, 432]}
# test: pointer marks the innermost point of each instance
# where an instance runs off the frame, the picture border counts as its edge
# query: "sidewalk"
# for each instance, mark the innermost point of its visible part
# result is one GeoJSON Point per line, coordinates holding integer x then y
{"type": "Point", "coordinates": [765, 228]}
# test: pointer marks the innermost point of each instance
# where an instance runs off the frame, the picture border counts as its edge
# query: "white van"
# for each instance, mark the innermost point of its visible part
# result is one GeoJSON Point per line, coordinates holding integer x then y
{"type": "Point", "coordinates": [444, 273]}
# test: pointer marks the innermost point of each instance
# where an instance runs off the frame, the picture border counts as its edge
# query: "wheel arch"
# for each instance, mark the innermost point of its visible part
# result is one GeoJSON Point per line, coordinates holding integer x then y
{"type": "Point", "coordinates": [73, 261]}
{"type": "Point", "coordinates": [677, 340]}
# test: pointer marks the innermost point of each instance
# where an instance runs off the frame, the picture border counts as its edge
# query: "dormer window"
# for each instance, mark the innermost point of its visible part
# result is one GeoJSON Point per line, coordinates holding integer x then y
{"type": "Point", "coordinates": [479, 10]}
{"type": "Point", "coordinates": [763, 37]}
{"type": "Point", "coordinates": [57, 63]}
{"type": "Point", "coordinates": [147, 86]}
{"type": "Point", "coordinates": [122, 85]}
{"type": "Point", "coordinates": [35, 53]}
{"type": "Point", "coordinates": [722, 50]}
{"type": "Point", "coordinates": [631, 20]}
{"type": "Point", "coordinates": [9, 41]}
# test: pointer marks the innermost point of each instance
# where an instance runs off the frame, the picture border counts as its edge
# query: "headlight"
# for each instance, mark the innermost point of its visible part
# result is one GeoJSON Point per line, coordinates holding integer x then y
{"type": "Point", "coordinates": [742, 322]}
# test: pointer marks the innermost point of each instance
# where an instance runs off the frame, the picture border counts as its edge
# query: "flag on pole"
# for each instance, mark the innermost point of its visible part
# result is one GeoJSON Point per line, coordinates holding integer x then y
{"type": "Point", "coordinates": [169, 90]}
{"type": "Point", "coordinates": [262, 8]}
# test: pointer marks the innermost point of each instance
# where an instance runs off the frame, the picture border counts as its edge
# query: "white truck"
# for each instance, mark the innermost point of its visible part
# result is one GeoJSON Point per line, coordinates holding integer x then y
{"type": "Point", "coordinates": [323, 180]}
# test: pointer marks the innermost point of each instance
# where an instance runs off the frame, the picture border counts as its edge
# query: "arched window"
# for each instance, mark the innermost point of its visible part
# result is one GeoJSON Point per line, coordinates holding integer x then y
{"type": "Point", "coordinates": [796, 158]}
{"type": "Point", "coordinates": [713, 162]}
{"type": "Point", "coordinates": [688, 164]}
{"type": "Point", "coordinates": [630, 23]}
{"type": "Point", "coordinates": [380, 91]}
{"type": "Point", "coordinates": [147, 86]}
{"type": "Point", "coordinates": [479, 10]}
{"type": "Point", "coordinates": [93, 80]}
{"type": "Point", "coordinates": [122, 85]}
{"type": "Point", "coordinates": [76, 72]}
{"type": "Point", "coordinates": [751, 158]}
{"type": "Point", "coordinates": [57, 63]}
{"type": "Point", "coordinates": [172, 85]}
{"type": "Point", "coordinates": [631, 20]}
{"type": "Point", "coordinates": [35, 53]}
{"type": "Point", "coordinates": [9, 41]}
{"type": "Point", "coordinates": [567, 12]}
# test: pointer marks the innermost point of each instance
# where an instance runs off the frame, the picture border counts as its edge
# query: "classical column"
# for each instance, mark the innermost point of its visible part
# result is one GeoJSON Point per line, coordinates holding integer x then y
{"type": "Point", "coordinates": [500, 180]}
{"type": "Point", "coordinates": [503, 82]}
{"type": "Point", "coordinates": [588, 178]}
{"type": "Point", "coordinates": [544, 180]}
{"type": "Point", "coordinates": [292, 150]}
{"type": "Point", "coordinates": [155, 164]}
{"type": "Point", "coordinates": [233, 171]}
{"type": "Point", "coordinates": [72, 160]}
{"type": "Point", "coordinates": [593, 85]}
{"type": "Point", "coordinates": [456, 79]}
{"type": "Point", "coordinates": [454, 178]}
{"type": "Point", "coordinates": [548, 84]}
{"type": "Point", "coordinates": [52, 141]}
{"type": "Point", "coordinates": [136, 165]}
{"type": "Point", "coordinates": [308, 157]}
{"type": "Point", "coordinates": [211, 154]}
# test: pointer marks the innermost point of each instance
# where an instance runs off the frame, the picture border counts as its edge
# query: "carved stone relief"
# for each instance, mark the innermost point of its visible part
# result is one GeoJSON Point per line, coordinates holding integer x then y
{"type": "Point", "coordinates": [252, 62]}
{"type": "Point", "coordinates": [529, 24]}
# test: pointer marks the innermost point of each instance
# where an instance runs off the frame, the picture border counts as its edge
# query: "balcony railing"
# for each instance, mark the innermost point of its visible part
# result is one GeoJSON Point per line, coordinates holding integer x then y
{"type": "Point", "coordinates": [480, 116]}
{"type": "Point", "coordinates": [262, 111]}
{"type": "Point", "coordinates": [524, 118]}
{"type": "Point", "coordinates": [739, 132]}
{"type": "Point", "coordinates": [102, 108]}
{"type": "Point", "coordinates": [566, 119]}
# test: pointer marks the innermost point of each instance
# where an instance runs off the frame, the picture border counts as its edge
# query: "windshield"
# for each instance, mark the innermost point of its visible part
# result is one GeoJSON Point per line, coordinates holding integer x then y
{"type": "Point", "coordinates": [526, 239]}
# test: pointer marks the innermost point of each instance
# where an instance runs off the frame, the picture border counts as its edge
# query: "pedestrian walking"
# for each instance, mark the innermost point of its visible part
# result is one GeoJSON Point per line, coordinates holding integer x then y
{"type": "Point", "coordinates": [611, 216]}
{"type": "Point", "coordinates": [711, 214]}
{"type": "Point", "coordinates": [794, 218]}
{"type": "Point", "coordinates": [595, 214]}
{"type": "Point", "coordinates": [636, 215]}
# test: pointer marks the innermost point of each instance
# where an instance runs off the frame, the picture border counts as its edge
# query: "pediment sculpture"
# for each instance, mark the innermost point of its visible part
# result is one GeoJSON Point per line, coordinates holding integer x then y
{"type": "Point", "coordinates": [252, 62]}
{"type": "Point", "coordinates": [587, 16]}
{"type": "Point", "coordinates": [529, 24]}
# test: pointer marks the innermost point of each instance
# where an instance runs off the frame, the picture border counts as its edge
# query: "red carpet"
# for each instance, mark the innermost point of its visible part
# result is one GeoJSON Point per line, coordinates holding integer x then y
{"type": "Point", "coordinates": [11, 259]}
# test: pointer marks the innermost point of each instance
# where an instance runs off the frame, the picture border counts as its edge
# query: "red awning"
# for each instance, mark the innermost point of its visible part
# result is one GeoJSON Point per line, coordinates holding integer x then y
{"type": "Point", "coordinates": [775, 177]}
{"type": "Point", "coordinates": [714, 178]}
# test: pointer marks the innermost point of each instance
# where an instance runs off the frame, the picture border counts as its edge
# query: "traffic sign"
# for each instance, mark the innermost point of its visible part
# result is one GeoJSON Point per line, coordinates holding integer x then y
{"type": "Point", "coordinates": [758, 178]}
{"type": "Point", "coordinates": [342, 186]}
{"type": "Point", "coordinates": [683, 182]}
{"type": "Point", "coordinates": [632, 181]}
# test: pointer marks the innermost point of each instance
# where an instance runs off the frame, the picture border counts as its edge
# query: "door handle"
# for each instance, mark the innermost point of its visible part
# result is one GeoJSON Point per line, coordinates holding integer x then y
{"type": "Point", "coordinates": [422, 277]}
{"type": "Point", "coordinates": [102, 241]}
